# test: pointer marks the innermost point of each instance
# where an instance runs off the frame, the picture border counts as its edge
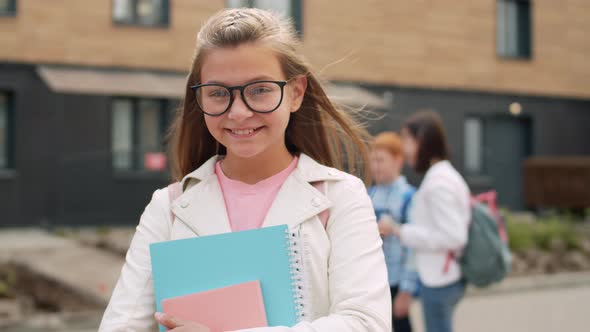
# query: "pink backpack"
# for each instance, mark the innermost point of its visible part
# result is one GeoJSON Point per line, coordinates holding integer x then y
{"type": "Point", "coordinates": [174, 192]}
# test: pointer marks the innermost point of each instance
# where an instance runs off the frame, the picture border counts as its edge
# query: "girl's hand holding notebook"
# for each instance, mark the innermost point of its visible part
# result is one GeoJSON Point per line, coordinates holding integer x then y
{"type": "Point", "coordinates": [177, 325]}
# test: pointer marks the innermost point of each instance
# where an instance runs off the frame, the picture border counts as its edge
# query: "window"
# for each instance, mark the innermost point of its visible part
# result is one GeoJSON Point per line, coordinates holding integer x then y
{"type": "Point", "coordinates": [5, 131]}
{"type": "Point", "coordinates": [138, 131]}
{"type": "Point", "coordinates": [513, 28]}
{"type": "Point", "coordinates": [122, 134]}
{"type": "Point", "coordinates": [473, 135]}
{"type": "Point", "coordinates": [289, 8]}
{"type": "Point", "coordinates": [141, 12]}
{"type": "Point", "coordinates": [7, 7]}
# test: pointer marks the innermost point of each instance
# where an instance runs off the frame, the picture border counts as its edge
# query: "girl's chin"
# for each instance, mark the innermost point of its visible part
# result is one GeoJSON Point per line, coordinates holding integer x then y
{"type": "Point", "coordinates": [244, 153]}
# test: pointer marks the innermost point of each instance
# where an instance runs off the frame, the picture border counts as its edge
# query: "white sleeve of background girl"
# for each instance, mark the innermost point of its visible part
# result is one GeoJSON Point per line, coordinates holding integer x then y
{"type": "Point", "coordinates": [448, 230]}
{"type": "Point", "coordinates": [358, 284]}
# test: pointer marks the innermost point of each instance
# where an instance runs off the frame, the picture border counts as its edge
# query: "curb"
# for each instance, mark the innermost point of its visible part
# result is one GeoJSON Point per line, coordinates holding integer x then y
{"type": "Point", "coordinates": [533, 283]}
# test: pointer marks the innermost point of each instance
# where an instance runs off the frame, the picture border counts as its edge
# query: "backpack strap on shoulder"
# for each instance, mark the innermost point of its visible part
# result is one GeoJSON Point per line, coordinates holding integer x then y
{"type": "Point", "coordinates": [406, 199]}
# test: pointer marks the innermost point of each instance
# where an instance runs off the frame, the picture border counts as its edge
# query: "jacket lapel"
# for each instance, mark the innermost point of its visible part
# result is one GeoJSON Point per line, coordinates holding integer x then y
{"type": "Point", "coordinates": [297, 199]}
{"type": "Point", "coordinates": [201, 206]}
{"type": "Point", "coordinates": [295, 202]}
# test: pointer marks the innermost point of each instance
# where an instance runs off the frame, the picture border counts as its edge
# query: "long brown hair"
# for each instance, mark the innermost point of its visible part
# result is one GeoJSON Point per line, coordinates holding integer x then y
{"type": "Point", "coordinates": [319, 129]}
{"type": "Point", "coordinates": [428, 130]}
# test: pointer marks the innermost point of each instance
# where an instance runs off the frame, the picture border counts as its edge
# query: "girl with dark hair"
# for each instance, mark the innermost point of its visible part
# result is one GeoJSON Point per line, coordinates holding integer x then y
{"type": "Point", "coordinates": [440, 217]}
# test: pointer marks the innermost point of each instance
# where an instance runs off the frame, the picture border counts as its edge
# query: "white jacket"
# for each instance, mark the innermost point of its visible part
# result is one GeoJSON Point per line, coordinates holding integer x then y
{"type": "Point", "coordinates": [347, 287]}
{"type": "Point", "coordinates": [440, 215]}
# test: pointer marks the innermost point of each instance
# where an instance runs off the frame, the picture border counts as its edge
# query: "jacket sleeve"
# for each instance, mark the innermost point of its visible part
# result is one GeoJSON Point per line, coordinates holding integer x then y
{"type": "Point", "coordinates": [409, 275]}
{"type": "Point", "coordinates": [132, 303]}
{"type": "Point", "coordinates": [449, 217]}
{"type": "Point", "coordinates": [358, 286]}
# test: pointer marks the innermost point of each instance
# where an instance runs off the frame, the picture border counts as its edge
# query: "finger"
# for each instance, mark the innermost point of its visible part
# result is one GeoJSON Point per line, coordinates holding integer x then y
{"type": "Point", "coordinates": [167, 320]}
{"type": "Point", "coordinates": [400, 311]}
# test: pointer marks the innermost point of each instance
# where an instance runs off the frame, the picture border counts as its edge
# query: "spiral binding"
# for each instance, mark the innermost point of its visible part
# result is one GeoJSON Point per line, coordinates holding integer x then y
{"type": "Point", "coordinates": [298, 284]}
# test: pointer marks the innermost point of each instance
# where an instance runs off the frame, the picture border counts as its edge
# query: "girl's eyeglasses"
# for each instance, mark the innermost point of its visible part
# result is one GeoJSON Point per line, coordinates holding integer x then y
{"type": "Point", "coordinates": [259, 96]}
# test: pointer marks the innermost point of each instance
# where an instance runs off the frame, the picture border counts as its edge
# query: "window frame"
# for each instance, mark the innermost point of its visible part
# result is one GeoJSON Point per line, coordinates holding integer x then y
{"type": "Point", "coordinates": [296, 15]}
{"type": "Point", "coordinates": [165, 117]}
{"type": "Point", "coordinates": [523, 30]}
{"type": "Point", "coordinates": [10, 131]}
{"type": "Point", "coordinates": [481, 156]}
{"type": "Point", "coordinates": [12, 9]}
{"type": "Point", "coordinates": [164, 21]}
{"type": "Point", "coordinates": [482, 178]}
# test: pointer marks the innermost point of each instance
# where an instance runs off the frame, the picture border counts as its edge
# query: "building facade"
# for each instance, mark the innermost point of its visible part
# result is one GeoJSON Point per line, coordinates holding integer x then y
{"type": "Point", "coordinates": [87, 89]}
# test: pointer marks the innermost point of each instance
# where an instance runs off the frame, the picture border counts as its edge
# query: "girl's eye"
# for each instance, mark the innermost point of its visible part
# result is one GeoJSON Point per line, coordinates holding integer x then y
{"type": "Point", "coordinates": [218, 93]}
{"type": "Point", "coordinates": [259, 90]}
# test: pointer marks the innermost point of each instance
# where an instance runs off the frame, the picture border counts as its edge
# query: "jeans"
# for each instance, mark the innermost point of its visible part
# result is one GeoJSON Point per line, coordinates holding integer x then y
{"type": "Point", "coordinates": [438, 305]}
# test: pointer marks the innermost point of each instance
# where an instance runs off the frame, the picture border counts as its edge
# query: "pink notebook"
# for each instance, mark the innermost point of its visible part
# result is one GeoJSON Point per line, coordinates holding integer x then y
{"type": "Point", "coordinates": [223, 309]}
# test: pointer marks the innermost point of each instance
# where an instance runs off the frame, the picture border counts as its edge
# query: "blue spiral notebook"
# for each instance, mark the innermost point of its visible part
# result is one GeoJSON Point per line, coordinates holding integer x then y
{"type": "Point", "coordinates": [270, 255]}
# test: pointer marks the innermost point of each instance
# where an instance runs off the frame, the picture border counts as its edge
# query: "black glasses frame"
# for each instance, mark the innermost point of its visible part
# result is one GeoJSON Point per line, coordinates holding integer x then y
{"type": "Point", "coordinates": [240, 88]}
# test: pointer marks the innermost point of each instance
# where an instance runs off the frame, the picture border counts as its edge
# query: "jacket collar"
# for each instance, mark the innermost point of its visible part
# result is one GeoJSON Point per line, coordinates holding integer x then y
{"type": "Point", "coordinates": [202, 208]}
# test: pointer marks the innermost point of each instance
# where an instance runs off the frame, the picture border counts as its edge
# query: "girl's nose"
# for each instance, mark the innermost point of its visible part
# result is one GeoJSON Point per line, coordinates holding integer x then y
{"type": "Point", "coordinates": [238, 110]}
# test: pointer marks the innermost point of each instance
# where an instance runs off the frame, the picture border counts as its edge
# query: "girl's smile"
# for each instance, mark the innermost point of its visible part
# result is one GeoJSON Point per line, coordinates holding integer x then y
{"type": "Point", "coordinates": [240, 133]}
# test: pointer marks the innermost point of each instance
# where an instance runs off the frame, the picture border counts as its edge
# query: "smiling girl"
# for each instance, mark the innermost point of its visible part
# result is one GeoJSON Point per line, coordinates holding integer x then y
{"type": "Point", "coordinates": [256, 136]}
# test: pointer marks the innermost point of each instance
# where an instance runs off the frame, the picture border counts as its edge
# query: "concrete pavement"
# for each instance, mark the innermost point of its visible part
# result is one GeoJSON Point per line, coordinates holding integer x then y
{"type": "Point", "coordinates": [85, 270]}
{"type": "Point", "coordinates": [555, 309]}
{"type": "Point", "coordinates": [535, 303]}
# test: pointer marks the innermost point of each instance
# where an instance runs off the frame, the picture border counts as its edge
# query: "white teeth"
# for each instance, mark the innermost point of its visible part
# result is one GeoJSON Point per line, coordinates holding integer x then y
{"type": "Point", "coordinates": [242, 131]}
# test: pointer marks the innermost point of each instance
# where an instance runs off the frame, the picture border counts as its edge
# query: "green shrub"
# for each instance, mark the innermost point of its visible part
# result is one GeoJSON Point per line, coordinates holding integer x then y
{"type": "Point", "coordinates": [540, 234]}
{"type": "Point", "coordinates": [7, 281]}
{"type": "Point", "coordinates": [520, 235]}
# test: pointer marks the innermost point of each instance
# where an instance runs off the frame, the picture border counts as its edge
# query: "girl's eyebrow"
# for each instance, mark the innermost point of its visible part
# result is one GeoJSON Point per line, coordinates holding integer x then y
{"type": "Point", "coordinates": [257, 78]}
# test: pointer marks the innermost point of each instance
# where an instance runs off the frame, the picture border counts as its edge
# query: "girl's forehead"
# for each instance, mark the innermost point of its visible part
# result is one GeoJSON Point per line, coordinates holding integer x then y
{"type": "Point", "coordinates": [378, 151]}
{"type": "Point", "coordinates": [240, 64]}
{"type": "Point", "coordinates": [382, 153]}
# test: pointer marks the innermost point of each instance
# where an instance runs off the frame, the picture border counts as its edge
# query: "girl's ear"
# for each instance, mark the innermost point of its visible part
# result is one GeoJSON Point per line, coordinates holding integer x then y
{"type": "Point", "coordinates": [298, 88]}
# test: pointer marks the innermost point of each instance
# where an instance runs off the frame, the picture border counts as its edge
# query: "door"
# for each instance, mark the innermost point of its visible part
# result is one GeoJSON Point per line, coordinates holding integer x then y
{"type": "Point", "coordinates": [507, 143]}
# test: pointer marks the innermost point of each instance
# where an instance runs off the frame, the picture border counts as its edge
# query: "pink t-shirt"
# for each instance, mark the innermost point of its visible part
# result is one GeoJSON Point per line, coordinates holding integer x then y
{"type": "Point", "coordinates": [248, 204]}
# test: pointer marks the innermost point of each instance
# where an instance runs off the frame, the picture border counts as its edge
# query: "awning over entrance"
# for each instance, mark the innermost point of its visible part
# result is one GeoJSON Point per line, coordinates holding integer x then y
{"type": "Point", "coordinates": [113, 82]}
{"type": "Point", "coordinates": [93, 81]}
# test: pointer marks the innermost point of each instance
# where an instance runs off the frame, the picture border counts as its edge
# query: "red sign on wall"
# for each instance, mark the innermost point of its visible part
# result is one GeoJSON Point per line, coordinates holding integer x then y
{"type": "Point", "coordinates": [155, 161]}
